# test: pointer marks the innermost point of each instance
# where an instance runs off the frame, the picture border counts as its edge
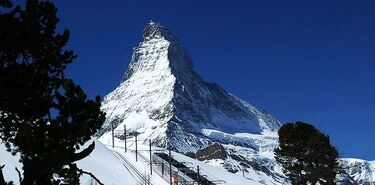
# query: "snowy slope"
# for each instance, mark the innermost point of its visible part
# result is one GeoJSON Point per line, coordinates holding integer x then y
{"type": "Point", "coordinates": [106, 167]}
{"type": "Point", "coordinates": [101, 162]}
{"type": "Point", "coordinates": [357, 171]}
{"type": "Point", "coordinates": [213, 172]}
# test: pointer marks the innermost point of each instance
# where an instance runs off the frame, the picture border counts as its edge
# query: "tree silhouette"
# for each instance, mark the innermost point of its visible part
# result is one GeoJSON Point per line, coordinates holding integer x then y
{"type": "Point", "coordinates": [306, 155]}
{"type": "Point", "coordinates": [44, 116]}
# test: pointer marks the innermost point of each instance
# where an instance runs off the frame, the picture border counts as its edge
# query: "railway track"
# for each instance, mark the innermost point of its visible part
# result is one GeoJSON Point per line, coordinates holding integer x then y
{"type": "Point", "coordinates": [132, 169]}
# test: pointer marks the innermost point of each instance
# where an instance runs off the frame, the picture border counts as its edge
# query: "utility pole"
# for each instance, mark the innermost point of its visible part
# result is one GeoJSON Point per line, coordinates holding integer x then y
{"type": "Point", "coordinates": [136, 147]}
{"type": "Point", "coordinates": [170, 165]}
{"type": "Point", "coordinates": [125, 136]}
{"type": "Point", "coordinates": [113, 137]}
{"type": "Point", "coordinates": [150, 158]}
{"type": "Point", "coordinates": [198, 175]}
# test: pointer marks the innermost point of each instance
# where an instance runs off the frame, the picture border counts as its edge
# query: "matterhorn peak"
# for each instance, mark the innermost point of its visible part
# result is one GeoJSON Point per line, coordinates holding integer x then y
{"type": "Point", "coordinates": [157, 30]}
{"type": "Point", "coordinates": [164, 99]}
{"type": "Point", "coordinates": [160, 51]}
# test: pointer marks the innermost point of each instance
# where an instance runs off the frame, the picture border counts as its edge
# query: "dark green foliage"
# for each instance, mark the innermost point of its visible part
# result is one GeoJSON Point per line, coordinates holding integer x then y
{"type": "Point", "coordinates": [44, 116]}
{"type": "Point", "coordinates": [306, 155]}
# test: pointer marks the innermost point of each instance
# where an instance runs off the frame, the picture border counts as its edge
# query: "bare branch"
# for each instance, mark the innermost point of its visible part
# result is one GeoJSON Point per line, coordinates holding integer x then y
{"type": "Point", "coordinates": [84, 153]}
{"type": "Point", "coordinates": [91, 175]}
{"type": "Point", "coordinates": [19, 175]}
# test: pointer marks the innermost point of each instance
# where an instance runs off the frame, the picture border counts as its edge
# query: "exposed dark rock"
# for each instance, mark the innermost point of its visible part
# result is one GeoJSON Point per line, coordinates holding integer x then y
{"type": "Point", "coordinates": [190, 154]}
{"type": "Point", "coordinates": [213, 151]}
{"type": "Point", "coordinates": [231, 167]}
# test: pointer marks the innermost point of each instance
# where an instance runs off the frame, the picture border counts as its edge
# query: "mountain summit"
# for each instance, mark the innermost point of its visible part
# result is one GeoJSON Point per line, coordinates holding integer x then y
{"type": "Point", "coordinates": [163, 98]}
{"type": "Point", "coordinates": [156, 30]}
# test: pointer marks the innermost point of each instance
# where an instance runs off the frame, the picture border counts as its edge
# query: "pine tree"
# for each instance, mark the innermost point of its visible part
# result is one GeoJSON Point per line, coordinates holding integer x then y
{"type": "Point", "coordinates": [44, 116]}
{"type": "Point", "coordinates": [306, 155]}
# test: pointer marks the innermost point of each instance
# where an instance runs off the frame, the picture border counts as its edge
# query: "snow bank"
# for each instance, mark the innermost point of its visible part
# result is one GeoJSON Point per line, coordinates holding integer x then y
{"type": "Point", "coordinates": [101, 162]}
{"type": "Point", "coordinates": [106, 167]}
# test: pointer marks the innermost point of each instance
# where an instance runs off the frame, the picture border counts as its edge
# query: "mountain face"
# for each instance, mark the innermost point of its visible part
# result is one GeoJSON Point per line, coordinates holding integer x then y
{"type": "Point", "coordinates": [163, 99]}
{"type": "Point", "coordinates": [357, 171]}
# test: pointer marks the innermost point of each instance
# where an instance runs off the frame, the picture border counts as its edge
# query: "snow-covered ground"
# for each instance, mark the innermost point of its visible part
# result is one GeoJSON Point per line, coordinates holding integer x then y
{"type": "Point", "coordinates": [210, 169]}
{"type": "Point", "coordinates": [101, 162]}
{"type": "Point", "coordinates": [10, 162]}
{"type": "Point", "coordinates": [141, 165]}
{"type": "Point", "coordinates": [106, 167]}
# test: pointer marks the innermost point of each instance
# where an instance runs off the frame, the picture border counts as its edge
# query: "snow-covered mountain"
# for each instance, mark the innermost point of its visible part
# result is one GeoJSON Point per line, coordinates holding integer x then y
{"type": "Point", "coordinates": [163, 99]}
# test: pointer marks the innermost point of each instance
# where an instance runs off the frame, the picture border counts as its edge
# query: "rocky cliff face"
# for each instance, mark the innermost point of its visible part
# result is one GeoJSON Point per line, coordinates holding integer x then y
{"type": "Point", "coordinates": [164, 99]}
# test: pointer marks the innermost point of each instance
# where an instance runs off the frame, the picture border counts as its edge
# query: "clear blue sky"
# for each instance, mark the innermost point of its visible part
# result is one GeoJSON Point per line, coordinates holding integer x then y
{"type": "Point", "coordinates": [299, 60]}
